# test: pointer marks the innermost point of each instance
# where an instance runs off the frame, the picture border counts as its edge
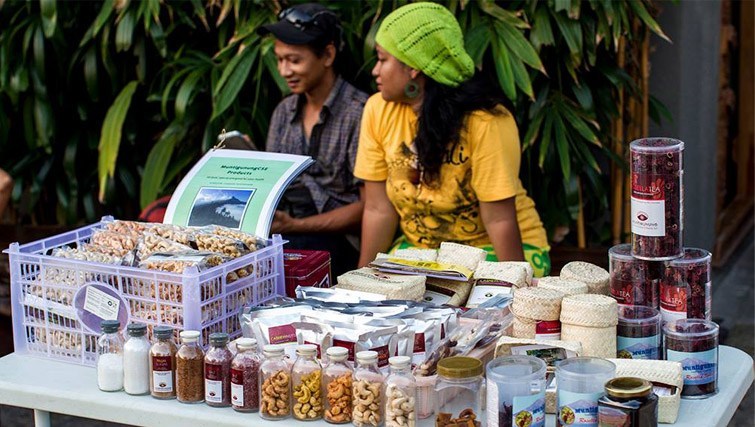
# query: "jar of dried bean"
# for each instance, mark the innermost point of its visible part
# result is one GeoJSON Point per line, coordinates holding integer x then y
{"type": "Point", "coordinates": [245, 369]}
{"type": "Point", "coordinates": [336, 378]}
{"type": "Point", "coordinates": [657, 213]}
{"type": "Point", "coordinates": [275, 384]}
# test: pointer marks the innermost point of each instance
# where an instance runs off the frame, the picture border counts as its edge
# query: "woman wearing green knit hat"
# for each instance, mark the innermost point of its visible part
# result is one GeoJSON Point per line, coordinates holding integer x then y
{"type": "Point", "coordinates": [438, 152]}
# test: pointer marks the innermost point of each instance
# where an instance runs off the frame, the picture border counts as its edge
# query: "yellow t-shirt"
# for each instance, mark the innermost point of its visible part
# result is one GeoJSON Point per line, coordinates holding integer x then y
{"type": "Point", "coordinates": [482, 166]}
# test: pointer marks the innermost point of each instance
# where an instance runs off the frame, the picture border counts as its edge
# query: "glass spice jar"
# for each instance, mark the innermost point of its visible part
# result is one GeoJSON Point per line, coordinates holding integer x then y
{"type": "Point", "coordinates": [634, 281]}
{"type": "Point", "coordinates": [337, 382]}
{"type": "Point", "coordinates": [657, 212]}
{"type": "Point", "coordinates": [110, 357]}
{"type": "Point", "coordinates": [275, 384]}
{"type": "Point", "coordinates": [217, 371]}
{"type": "Point", "coordinates": [400, 393]}
{"type": "Point", "coordinates": [628, 402]}
{"type": "Point", "coordinates": [162, 364]}
{"type": "Point", "coordinates": [306, 379]}
{"type": "Point", "coordinates": [136, 360]}
{"type": "Point", "coordinates": [245, 368]}
{"type": "Point", "coordinates": [367, 388]}
{"type": "Point", "coordinates": [638, 333]}
{"type": "Point", "coordinates": [686, 288]}
{"type": "Point", "coordinates": [190, 369]}
{"type": "Point", "coordinates": [694, 343]}
{"type": "Point", "coordinates": [459, 391]}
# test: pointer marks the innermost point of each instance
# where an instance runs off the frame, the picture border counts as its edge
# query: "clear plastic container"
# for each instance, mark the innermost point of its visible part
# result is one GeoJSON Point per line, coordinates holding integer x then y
{"type": "Point", "coordinates": [515, 391]}
{"type": "Point", "coordinates": [306, 378]}
{"type": "Point", "coordinates": [136, 360]}
{"type": "Point", "coordinates": [368, 391]}
{"type": "Point", "coordinates": [685, 288]}
{"type": "Point", "coordinates": [245, 369]}
{"type": "Point", "coordinates": [110, 357]}
{"type": "Point", "coordinates": [580, 382]}
{"type": "Point", "coordinates": [638, 334]}
{"type": "Point", "coordinates": [217, 371]}
{"type": "Point", "coordinates": [400, 394]}
{"type": "Point", "coordinates": [657, 198]}
{"type": "Point", "coordinates": [694, 343]}
{"type": "Point", "coordinates": [459, 390]}
{"type": "Point", "coordinates": [162, 364]}
{"type": "Point", "coordinates": [634, 281]}
{"type": "Point", "coordinates": [275, 384]}
{"type": "Point", "coordinates": [190, 369]}
{"type": "Point", "coordinates": [337, 383]}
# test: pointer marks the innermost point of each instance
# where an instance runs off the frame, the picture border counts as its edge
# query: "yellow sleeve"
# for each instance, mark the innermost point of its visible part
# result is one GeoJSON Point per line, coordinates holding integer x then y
{"type": "Point", "coordinates": [496, 155]}
{"type": "Point", "coordinates": [371, 164]}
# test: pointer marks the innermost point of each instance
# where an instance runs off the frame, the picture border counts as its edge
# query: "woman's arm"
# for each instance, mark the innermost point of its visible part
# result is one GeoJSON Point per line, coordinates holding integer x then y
{"type": "Point", "coordinates": [501, 224]}
{"type": "Point", "coordinates": [379, 222]}
{"type": "Point", "coordinates": [345, 219]}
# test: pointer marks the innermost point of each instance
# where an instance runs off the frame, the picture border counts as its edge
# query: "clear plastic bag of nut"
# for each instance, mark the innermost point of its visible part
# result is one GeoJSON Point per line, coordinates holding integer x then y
{"type": "Point", "coordinates": [251, 241]}
{"type": "Point", "coordinates": [115, 242]}
{"type": "Point", "coordinates": [224, 245]}
{"type": "Point", "coordinates": [306, 379]}
{"type": "Point", "coordinates": [400, 394]}
{"type": "Point", "coordinates": [174, 233]}
{"type": "Point", "coordinates": [367, 391]}
{"type": "Point", "coordinates": [151, 243]}
{"type": "Point", "coordinates": [178, 262]}
{"type": "Point", "coordinates": [131, 228]}
{"type": "Point", "coordinates": [337, 385]}
{"type": "Point", "coordinates": [275, 384]}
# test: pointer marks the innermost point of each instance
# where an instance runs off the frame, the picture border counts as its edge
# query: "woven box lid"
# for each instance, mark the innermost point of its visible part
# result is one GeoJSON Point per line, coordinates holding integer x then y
{"type": "Point", "coordinates": [565, 286]}
{"type": "Point", "coordinates": [597, 311]}
{"type": "Point", "coordinates": [597, 279]}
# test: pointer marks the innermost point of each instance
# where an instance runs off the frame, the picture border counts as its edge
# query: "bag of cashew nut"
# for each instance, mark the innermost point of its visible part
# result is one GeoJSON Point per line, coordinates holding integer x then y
{"type": "Point", "coordinates": [180, 261]}
{"type": "Point", "coordinates": [224, 245]}
{"type": "Point", "coordinates": [251, 241]}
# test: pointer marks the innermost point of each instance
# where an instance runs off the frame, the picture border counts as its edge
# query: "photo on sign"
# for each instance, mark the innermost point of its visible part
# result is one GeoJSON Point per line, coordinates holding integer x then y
{"type": "Point", "coordinates": [220, 206]}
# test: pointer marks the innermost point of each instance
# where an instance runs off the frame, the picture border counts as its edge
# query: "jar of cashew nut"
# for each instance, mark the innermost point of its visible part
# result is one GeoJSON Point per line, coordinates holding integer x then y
{"type": "Point", "coordinates": [400, 394]}
{"type": "Point", "coordinates": [336, 377]}
{"type": "Point", "coordinates": [368, 391]}
{"type": "Point", "coordinates": [306, 377]}
{"type": "Point", "coordinates": [275, 384]}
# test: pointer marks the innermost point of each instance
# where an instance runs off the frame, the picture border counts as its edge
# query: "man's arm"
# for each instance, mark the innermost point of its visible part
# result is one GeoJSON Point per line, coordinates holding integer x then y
{"type": "Point", "coordinates": [379, 222]}
{"type": "Point", "coordinates": [345, 219]}
{"type": "Point", "coordinates": [503, 229]}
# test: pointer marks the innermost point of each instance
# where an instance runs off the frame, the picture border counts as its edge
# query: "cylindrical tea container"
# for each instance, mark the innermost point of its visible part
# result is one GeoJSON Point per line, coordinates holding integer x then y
{"type": "Point", "coordinates": [638, 334]}
{"type": "Point", "coordinates": [685, 288]}
{"type": "Point", "coordinates": [581, 382]}
{"type": "Point", "coordinates": [634, 281]}
{"type": "Point", "coordinates": [694, 343]}
{"type": "Point", "coordinates": [515, 391]}
{"type": "Point", "coordinates": [657, 212]}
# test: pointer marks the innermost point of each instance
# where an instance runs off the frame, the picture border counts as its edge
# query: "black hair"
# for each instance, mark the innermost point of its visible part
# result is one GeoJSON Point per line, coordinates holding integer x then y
{"type": "Point", "coordinates": [442, 116]}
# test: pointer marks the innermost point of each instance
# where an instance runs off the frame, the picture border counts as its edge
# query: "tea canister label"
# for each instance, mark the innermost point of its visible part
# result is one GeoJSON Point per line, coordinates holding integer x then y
{"type": "Point", "coordinates": [673, 302]}
{"type": "Point", "coordinates": [697, 368]}
{"type": "Point", "coordinates": [648, 205]}
{"type": "Point", "coordinates": [237, 387]}
{"type": "Point", "coordinates": [529, 410]}
{"type": "Point", "coordinates": [577, 409]}
{"type": "Point", "coordinates": [638, 348]}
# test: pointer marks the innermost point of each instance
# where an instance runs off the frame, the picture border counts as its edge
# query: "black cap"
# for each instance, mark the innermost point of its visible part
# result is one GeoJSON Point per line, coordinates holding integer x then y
{"type": "Point", "coordinates": [163, 332]}
{"type": "Point", "coordinates": [304, 24]}
{"type": "Point", "coordinates": [110, 326]}
{"type": "Point", "coordinates": [219, 339]}
{"type": "Point", "coordinates": [136, 329]}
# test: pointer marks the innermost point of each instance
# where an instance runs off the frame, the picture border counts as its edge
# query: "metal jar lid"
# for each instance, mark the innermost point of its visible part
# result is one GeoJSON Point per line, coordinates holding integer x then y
{"type": "Point", "coordinates": [459, 367]}
{"type": "Point", "coordinates": [628, 387]}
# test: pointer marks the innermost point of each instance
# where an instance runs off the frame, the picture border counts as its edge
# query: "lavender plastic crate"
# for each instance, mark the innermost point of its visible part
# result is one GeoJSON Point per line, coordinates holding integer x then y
{"type": "Point", "coordinates": [47, 323]}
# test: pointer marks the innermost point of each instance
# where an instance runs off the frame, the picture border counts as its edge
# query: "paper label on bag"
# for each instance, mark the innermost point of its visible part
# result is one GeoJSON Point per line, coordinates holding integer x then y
{"type": "Point", "coordinates": [483, 293]}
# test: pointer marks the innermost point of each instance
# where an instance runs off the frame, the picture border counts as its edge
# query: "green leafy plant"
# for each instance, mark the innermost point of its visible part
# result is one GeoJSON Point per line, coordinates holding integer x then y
{"type": "Point", "coordinates": [104, 105]}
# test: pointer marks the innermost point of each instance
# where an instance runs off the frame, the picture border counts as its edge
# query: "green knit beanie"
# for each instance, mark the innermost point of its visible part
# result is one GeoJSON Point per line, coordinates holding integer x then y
{"type": "Point", "coordinates": [427, 37]}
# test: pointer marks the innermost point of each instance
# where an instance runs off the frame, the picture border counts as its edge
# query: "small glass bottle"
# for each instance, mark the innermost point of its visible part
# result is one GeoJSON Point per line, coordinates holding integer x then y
{"type": "Point", "coordinates": [629, 402]}
{"type": "Point", "coordinates": [306, 377]}
{"type": "Point", "coordinates": [400, 394]}
{"type": "Point", "coordinates": [217, 371]}
{"type": "Point", "coordinates": [368, 390]}
{"type": "Point", "coordinates": [337, 381]}
{"type": "Point", "coordinates": [459, 391]}
{"type": "Point", "coordinates": [275, 384]}
{"type": "Point", "coordinates": [136, 360]}
{"type": "Point", "coordinates": [245, 369]}
{"type": "Point", "coordinates": [110, 357]}
{"type": "Point", "coordinates": [162, 364]}
{"type": "Point", "coordinates": [190, 369]}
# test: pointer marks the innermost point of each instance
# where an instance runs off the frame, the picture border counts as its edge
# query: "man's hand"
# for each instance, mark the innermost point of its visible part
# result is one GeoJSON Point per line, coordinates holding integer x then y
{"type": "Point", "coordinates": [284, 223]}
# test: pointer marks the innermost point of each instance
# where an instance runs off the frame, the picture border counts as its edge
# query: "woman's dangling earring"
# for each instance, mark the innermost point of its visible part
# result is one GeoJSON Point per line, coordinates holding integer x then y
{"type": "Point", "coordinates": [411, 90]}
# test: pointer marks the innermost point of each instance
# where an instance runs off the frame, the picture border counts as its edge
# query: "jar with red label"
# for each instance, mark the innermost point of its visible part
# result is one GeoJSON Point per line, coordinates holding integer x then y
{"type": "Point", "coordinates": [686, 289]}
{"type": "Point", "coordinates": [275, 384]}
{"type": "Point", "coordinates": [634, 281]}
{"type": "Point", "coordinates": [217, 371]}
{"type": "Point", "coordinates": [245, 368]}
{"type": "Point", "coordinates": [162, 364]}
{"type": "Point", "coordinates": [657, 213]}
{"type": "Point", "coordinates": [368, 391]}
{"type": "Point", "coordinates": [306, 379]}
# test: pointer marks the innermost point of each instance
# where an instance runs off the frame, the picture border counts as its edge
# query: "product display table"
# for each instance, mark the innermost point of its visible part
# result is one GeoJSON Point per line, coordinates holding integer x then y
{"type": "Point", "coordinates": [49, 386]}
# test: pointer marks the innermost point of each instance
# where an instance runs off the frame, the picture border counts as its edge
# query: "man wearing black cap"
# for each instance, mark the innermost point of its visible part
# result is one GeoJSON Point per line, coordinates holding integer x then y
{"type": "Point", "coordinates": [320, 119]}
